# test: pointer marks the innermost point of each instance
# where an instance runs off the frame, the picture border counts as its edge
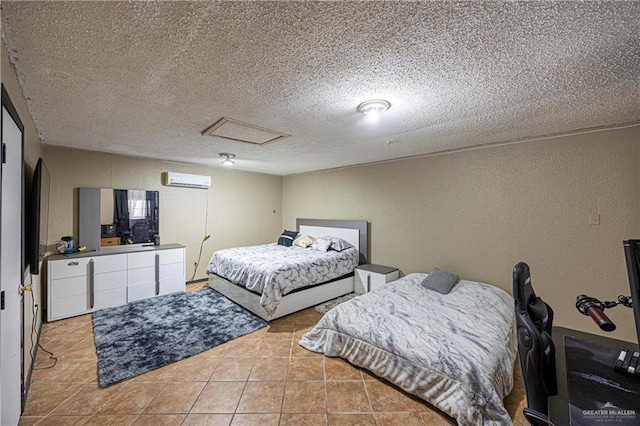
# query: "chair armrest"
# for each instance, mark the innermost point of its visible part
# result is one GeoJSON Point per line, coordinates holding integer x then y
{"type": "Point", "coordinates": [535, 417]}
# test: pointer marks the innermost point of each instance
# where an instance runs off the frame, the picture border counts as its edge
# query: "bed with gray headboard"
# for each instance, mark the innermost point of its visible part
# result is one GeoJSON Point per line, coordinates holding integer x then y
{"type": "Point", "coordinates": [272, 281]}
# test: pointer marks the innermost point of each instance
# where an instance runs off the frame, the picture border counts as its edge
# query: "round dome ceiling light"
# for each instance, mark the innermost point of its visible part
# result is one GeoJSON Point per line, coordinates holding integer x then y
{"type": "Point", "coordinates": [374, 106]}
{"type": "Point", "coordinates": [227, 158]}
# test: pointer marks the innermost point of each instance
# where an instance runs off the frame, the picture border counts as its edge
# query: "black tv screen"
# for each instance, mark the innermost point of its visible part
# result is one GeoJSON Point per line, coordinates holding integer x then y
{"type": "Point", "coordinates": [632, 256]}
{"type": "Point", "coordinates": [38, 223]}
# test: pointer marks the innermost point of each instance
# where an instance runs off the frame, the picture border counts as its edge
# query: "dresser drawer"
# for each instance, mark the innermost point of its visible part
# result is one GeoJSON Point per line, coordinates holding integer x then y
{"type": "Point", "coordinates": [64, 307]}
{"type": "Point", "coordinates": [171, 256]}
{"type": "Point", "coordinates": [110, 298]}
{"type": "Point", "coordinates": [110, 280]}
{"type": "Point", "coordinates": [173, 270]}
{"type": "Point", "coordinates": [172, 285]}
{"type": "Point", "coordinates": [141, 275]}
{"type": "Point", "coordinates": [141, 260]}
{"type": "Point", "coordinates": [110, 241]}
{"type": "Point", "coordinates": [69, 287]}
{"type": "Point", "coordinates": [141, 291]}
{"type": "Point", "coordinates": [71, 267]}
{"type": "Point", "coordinates": [147, 259]}
{"type": "Point", "coordinates": [102, 264]}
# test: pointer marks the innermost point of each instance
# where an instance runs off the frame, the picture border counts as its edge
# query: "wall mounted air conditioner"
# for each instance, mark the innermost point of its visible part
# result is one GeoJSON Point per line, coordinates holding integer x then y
{"type": "Point", "coordinates": [186, 180]}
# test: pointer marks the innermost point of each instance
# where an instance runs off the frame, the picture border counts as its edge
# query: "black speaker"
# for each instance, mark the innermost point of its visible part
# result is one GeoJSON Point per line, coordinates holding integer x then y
{"type": "Point", "coordinates": [156, 240]}
{"type": "Point", "coordinates": [108, 230]}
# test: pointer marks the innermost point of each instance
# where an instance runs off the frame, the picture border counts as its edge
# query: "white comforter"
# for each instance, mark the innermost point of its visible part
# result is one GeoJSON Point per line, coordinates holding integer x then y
{"type": "Point", "coordinates": [273, 270]}
{"type": "Point", "coordinates": [455, 351]}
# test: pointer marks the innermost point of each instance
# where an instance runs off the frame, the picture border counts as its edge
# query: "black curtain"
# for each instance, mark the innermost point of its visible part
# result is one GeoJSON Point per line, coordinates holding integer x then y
{"type": "Point", "coordinates": [122, 210]}
{"type": "Point", "coordinates": [152, 211]}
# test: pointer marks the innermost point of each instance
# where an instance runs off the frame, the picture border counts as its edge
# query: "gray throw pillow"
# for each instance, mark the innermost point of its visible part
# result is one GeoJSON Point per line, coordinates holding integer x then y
{"type": "Point", "coordinates": [440, 280]}
{"type": "Point", "coordinates": [338, 244]}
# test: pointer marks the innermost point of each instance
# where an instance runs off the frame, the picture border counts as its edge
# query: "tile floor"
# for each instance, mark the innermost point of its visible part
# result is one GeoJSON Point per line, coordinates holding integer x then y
{"type": "Point", "coordinates": [263, 378]}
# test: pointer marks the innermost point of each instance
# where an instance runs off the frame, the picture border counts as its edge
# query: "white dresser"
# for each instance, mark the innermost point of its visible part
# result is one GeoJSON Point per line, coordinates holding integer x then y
{"type": "Point", "coordinates": [81, 283]}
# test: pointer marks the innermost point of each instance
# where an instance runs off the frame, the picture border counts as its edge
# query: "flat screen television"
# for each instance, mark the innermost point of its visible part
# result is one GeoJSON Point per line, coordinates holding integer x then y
{"type": "Point", "coordinates": [38, 220]}
{"type": "Point", "coordinates": [632, 255]}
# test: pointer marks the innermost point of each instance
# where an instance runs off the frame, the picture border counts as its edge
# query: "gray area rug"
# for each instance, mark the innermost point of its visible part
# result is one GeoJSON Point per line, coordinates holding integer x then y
{"type": "Point", "coordinates": [324, 307]}
{"type": "Point", "coordinates": [147, 334]}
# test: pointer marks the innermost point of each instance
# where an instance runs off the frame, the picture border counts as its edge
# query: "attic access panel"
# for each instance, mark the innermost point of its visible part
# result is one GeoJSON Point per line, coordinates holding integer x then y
{"type": "Point", "coordinates": [235, 130]}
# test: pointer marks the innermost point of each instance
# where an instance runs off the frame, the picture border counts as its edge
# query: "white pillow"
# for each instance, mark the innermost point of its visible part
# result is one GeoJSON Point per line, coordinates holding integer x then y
{"type": "Point", "coordinates": [321, 244]}
{"type": "Point", "coordinates": [303, 241]}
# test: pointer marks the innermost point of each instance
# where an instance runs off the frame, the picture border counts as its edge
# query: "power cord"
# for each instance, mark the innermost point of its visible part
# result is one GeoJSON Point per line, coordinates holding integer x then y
{"type": "Point", "coordinates": [55, 360]}
{"type": "Point", "coordinates": [34, 320]}
{"type": "Point", "coordinates": [206, 237]}
{"type": "Point", "coordinates": [34, 329]}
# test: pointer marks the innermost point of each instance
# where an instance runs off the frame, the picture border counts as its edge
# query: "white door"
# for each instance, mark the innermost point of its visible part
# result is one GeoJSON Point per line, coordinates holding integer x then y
{"type": "Point", "coordinates": [10, 267]}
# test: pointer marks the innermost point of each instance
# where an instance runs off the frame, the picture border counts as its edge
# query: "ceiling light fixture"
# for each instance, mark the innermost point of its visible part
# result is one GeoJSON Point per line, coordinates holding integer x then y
{"type": "Point", "coordinates": [227, 158]}
{"type": "Point", "coordinates": [374, 107]}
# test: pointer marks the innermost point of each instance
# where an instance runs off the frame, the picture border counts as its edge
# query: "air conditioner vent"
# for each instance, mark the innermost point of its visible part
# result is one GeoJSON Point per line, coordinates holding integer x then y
{"type": "Point", "coordinates": [235, 130]}
{"type": "Point", "coordinates": [186, 180]}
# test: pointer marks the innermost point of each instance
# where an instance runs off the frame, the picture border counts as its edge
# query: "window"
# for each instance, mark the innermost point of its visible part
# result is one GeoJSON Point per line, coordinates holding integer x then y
{"type": "Point", "coordinates": [137, 201]}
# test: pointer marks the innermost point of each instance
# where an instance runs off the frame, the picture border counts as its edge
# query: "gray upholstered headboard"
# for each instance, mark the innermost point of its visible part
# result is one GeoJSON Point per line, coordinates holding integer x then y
{"type": "Point", "coordinates": [360, 225]}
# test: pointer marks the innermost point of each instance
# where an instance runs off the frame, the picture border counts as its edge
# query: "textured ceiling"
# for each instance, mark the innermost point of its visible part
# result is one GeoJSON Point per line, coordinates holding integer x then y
{"type": "Point", "coordinates": [146, 78]}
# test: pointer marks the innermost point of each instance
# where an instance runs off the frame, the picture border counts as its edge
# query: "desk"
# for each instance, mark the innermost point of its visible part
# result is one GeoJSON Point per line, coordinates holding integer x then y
{"type": "Point", "coordinates": [588, 386]}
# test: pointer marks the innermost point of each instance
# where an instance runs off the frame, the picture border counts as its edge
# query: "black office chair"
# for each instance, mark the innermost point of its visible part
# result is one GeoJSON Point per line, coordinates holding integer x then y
{"type": "Point", "coordinates": [141, 232]}
{"type": "Point", "coordinates": [535, 346]}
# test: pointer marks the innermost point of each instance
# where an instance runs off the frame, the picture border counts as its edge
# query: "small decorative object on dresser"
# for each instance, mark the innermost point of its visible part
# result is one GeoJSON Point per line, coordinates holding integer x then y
{"type": "Point", "coordinates": [371, 276]}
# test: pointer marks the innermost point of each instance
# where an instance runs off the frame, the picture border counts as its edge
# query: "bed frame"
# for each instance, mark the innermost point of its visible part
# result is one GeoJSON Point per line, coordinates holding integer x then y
{"type": "Point", "coordinates": [353, 231]}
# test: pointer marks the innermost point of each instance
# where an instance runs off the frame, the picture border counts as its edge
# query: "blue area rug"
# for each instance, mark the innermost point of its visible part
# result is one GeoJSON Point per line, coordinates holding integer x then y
{"type": "Point", "coordinates": [147, 334]}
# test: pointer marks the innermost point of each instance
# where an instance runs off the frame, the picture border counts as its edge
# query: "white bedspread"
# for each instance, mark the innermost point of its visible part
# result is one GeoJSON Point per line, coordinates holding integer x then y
{"type": "Point", "coordinates": [273, 270]}
{"type": "Point", "coordinates": [455, 351]}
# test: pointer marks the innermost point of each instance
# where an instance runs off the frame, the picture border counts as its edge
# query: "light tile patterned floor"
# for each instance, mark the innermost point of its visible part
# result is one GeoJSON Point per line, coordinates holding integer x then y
{"type": "Point", "coordinates": [264, 378]}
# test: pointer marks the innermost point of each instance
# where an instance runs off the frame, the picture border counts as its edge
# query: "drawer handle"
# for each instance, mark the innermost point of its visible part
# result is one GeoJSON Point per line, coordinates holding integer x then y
{"type": "Point", "coordinates": [91, 284]}
{"type": "Point", "coordinates": [157, 274]}
{"type": "Point", "coordinates": [368, 283]}
{"type": "Point", "coordinates": [72, 263]}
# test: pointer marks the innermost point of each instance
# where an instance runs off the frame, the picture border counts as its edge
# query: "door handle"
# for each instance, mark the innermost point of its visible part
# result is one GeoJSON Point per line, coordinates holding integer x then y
{"type": "Point", "coordinates": [368, 283]}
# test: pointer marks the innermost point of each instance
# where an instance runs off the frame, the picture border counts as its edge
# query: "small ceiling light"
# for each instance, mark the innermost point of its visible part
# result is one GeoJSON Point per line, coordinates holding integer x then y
{"type": "Point", "coordinates": [374, 106]}
{"type": "Point", "coordinates": [227, 158]}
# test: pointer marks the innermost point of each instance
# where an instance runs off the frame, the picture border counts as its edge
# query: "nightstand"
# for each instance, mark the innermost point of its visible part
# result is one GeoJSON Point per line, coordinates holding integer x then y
{"type": "Point", "coordinates": [370, 276]}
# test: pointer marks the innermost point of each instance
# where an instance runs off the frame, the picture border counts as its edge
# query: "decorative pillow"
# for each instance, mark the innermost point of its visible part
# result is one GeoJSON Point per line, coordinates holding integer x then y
{"type": "Point", "coordinates": [440, 280]}
{"type": "Point", "coordinates": [304, 241]}
{"type": "Point", "coordinates": [338, 244]}
{"type": "Point", "coordinates": [321, 244]}
{"type": "Point", "coordinates": [286, 239]}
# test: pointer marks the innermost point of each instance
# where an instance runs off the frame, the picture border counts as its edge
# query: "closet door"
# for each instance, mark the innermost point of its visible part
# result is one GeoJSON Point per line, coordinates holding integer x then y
{"type": "Point", "coordinates": [11, 187]}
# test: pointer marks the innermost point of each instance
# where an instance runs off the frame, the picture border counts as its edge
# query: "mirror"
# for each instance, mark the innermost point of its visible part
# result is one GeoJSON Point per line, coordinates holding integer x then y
{"type": "Point", "coordinates": [128, 216]}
